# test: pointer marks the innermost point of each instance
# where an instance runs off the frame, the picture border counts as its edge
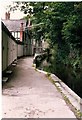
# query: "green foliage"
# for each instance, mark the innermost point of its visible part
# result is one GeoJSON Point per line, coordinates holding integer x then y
{"type": "Point", "coordinates": [60, 24]}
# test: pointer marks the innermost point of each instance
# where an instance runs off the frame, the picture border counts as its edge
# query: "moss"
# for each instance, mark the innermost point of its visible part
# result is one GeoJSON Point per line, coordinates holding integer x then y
{"type": "Point", "coordinates": [77, 113]}
{"type": "Point", "coordinates": [33, 65]}
{"type": "Point", "coordinates": [48, 74]}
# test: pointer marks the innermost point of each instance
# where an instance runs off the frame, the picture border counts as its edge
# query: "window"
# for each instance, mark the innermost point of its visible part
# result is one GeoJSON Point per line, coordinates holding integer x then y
{"type": "Point", "coordinates": [18, 34]}
{"type": "Point", "coordinates": [13, 33]}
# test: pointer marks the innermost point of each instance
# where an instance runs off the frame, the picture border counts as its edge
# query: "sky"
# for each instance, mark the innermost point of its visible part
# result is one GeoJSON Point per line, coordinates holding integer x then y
{"type": "Point", "coordinates": [17, 14]}
{"type": "Point", "coordinates": [13, 15]}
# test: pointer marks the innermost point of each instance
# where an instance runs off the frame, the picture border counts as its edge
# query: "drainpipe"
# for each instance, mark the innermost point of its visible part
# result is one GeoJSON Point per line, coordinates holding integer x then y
{"type": "Point", "coordinates": [21, 32]}
{"type": "Point", "coordinates": [7, 16]}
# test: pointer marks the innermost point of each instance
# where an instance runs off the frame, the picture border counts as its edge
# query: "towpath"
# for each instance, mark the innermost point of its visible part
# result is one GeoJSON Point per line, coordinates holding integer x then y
{"type": "Point", "coordinates": [29, 94]}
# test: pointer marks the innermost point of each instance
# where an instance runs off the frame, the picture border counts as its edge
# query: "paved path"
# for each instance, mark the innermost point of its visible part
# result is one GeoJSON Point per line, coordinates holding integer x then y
{"type": "Point", "coordinates": [29, 94]}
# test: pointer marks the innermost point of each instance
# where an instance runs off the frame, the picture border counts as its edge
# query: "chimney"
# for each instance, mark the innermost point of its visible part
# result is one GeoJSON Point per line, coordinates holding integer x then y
{"type": "Point", "coordinates": [7, 15]}
{"type": "Point", "coordinates": [21, 32]}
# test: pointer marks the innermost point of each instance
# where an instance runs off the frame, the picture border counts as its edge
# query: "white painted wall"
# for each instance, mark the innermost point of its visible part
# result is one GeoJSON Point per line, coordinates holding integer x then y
{"type": "Point", "coordinates": [14, 51]}
{"type": "Point", "coordinates": [4, 51]}
{"type": "Point", "coordinates": [20, 50]}
{"type": "Point", "coordinates": [9, 50]}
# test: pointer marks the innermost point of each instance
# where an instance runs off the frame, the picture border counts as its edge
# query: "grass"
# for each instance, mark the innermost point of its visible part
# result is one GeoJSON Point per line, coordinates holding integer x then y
{"type": "Point", "coordinates": [48, 74]}
{"type": "Point", "coordinates": [33, 65]}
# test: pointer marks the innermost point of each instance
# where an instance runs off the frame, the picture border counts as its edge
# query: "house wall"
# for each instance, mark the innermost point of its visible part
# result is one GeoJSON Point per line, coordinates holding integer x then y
{"type": "Point", "coordinates": [4, 51]}
{"type": "Point", "coordinates": [12, 51]}
{"type": "Point", "coordinates": [20, 50]}
{"type": "Point", "coordinates": [9, 48]}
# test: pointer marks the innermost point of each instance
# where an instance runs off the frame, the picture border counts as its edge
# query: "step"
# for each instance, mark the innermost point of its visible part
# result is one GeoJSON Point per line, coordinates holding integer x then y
{"type": "Point", "coordinates": [5, 79]}
{"type": "Point", "coordinates": [8, 72]}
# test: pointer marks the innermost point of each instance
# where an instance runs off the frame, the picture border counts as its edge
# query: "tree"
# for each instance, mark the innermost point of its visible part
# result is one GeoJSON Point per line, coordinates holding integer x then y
{"type": "Point", "coordinates": [60, 24]}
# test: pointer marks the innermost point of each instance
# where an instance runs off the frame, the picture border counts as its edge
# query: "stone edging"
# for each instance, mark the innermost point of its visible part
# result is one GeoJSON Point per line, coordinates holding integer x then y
{"type": "Point", "coordinates": [69, 93]}
{"type": "Point", "coordinates": [72, 93]}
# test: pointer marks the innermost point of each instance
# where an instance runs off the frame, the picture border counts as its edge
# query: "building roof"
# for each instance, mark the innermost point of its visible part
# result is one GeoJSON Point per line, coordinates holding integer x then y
{"type": "Point", "coordinates": [5, 29]}
{"type": "Point", "coordinates": [14, 25]}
